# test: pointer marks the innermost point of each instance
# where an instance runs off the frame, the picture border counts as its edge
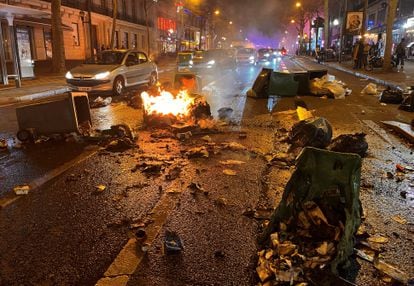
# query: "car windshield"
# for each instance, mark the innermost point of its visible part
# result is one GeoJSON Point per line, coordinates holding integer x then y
{"type": "Point", "coordinates": [246, 51]}
{"type": "Point", "coordinates": [110, 58]}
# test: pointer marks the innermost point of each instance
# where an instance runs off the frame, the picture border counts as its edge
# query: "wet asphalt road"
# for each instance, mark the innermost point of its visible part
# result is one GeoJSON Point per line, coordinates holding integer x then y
{"type": "Point", "coordinates": [67, 233]}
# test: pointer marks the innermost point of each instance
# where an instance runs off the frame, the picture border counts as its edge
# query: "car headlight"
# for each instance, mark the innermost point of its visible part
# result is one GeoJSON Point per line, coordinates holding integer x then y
{"type": "Point", "coordinates": [68, 75]}
{"type": "Point", "coordinates": [251, 58]}
{"type": "Point", "coordinates": [267, 55]}
{"type": "Point", "coordinates": [102, 75]}
{"type": "Point", "coordinates": [191, 62]}
{"type": "Point", "coordinates": [212, 62]}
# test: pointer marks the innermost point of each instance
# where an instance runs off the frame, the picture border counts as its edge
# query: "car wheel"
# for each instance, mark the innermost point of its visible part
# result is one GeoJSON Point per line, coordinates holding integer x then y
{"type": "Point", "coordinates": [118, 86]}
{"type": "Point", "coordinates": [152, 79]}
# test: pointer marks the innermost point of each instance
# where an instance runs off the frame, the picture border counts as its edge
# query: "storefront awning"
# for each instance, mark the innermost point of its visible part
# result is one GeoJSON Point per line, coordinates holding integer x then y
{"type": "Point", "coordinates": [20, 11]}
{"type": "Point", "coordinates": [43, 22]}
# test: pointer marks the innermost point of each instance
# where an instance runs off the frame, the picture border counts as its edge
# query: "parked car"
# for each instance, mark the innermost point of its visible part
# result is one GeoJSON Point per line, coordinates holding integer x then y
{"type": "Point", "coordinates": [113, 71]}
{"type": "Point", "coordinates": [211, 60]}
{"type": "Point", "coordinates": [183, 59]}
{"type": "Point", "coordinates": [246, 56]}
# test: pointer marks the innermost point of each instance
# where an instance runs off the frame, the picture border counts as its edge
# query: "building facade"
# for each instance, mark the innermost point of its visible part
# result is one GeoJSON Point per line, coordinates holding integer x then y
{"type": "Point", "coordinates": [82, 36]}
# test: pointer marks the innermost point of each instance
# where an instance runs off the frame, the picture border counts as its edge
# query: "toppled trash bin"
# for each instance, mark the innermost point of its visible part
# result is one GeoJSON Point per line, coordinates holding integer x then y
{"type": "Point", "coordinates": [314, 225]}
{"type": "Point", "coordinates": [63, 114]}
{"type": "Point", "coordinates": [313, 132]}
{"type": "Point", "coordinates": [260, 87]}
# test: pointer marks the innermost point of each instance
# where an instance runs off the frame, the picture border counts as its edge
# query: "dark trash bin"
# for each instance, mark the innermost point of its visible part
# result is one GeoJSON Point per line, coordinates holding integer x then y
{"type": "Point", "coordinates": [315, 73]}
{"type": "Point", "coordinates": [62, 114]}
{"type": "Point", "coordinates": [283, 84]}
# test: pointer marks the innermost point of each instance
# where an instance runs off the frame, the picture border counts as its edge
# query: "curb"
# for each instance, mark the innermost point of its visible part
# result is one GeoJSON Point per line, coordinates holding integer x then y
{"type": "Point", "coordinates": [33, 96]}
{"type": "Point", "coordinates": [395, 85]}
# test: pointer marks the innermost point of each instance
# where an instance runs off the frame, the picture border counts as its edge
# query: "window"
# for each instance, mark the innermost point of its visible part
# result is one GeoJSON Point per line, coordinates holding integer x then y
{"type": "Point", "coordinates": [132, 59]}
{"type": "Point", "coordinates": [48, 43]}
{"type": "Point", "coordinates": [125, 42]}
{"type": "Point", "coordinates": [116, 45]}
{"type": "Point", "coordinates": [142, 41]}
{"type": "Point", "coordinates": [75, 34]}
{"type": "Point", "coordinates": [103, 4]}
{"type": "Point", "coordinates": [142, 58]}
{"type": "Point", "coordinates": [135, 41]}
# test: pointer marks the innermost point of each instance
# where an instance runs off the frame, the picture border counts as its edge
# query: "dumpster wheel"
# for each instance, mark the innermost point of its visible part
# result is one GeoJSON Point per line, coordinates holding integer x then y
{"type": "Point", "coordinates": [25, 135]}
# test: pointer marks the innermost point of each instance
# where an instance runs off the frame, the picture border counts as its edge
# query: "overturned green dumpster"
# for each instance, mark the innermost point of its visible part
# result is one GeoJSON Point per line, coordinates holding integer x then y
{"type": "Point", "coordinates": [313, 227]}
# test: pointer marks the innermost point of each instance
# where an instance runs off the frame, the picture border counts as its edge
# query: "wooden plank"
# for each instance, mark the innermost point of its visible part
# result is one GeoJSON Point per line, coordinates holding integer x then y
{"type": "Point", "coordinates": [404, 129]}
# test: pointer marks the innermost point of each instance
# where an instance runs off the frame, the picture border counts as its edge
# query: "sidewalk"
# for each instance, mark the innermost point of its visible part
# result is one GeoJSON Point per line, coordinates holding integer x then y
{"type": "Point", "coordinates": [31, 89]}
{"type": "Point", "coordinates": [396, 78]}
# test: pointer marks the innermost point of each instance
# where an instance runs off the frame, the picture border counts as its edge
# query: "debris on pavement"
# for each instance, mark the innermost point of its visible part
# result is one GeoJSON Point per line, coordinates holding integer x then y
{"type": "Point", "coordinates": [327, 85]}
{"type": "Point", "coordinates": [229, 172]}
{"type": "Point", "coordinates": [196, 187]}
{"type": "Point", "coordinates": [384, 267]}
{"type": "Point", "coordinates": [370, 89]}
{"type": "Point", "coordinates": [312, 132]}
{"type": "Point", "coordinates": [225, 113]}
{"type": "Point", "coordinates": [121, 145]}
{"type": "Point", "coordinates": [184, 136]}
{"type": "Point", "coordinates": [399, 219]}
{"type": "Point", "coordinates": [172, 243]}
{"type": "Point", "coordinates": [3, 144]}
{"type": "Point", "coordinates": [100, 188]}
{"type": "Point", "coordinates": [100, 102]}
{"type": "Point", "coordinates": [378, 239]}
{"type": "Point", "coordinates": [197, 152]}
{"type": "Point", "coordinates": [234, 146]}
{"type": "Point", "coordinates": [350, 143]}
{"type": "Point", "coordinates": [140, 233]}
{"type": "Point", "coordinates": [402, 128]}
{"type": "Point", "coordinates": [232, 162]}
{"type": "Point", "coordinates": [21, 189]}
{"type": "Point", "coordinates": [173, 173]}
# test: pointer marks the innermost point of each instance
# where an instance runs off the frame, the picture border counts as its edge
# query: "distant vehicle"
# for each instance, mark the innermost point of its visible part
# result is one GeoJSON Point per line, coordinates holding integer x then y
{"type": "Point", "coordinates": [246, 56]}
{"type": "Point", "coordinates": [212, 60]}
{"type": "Point", "coordinates": [264, 55]}
{"type": "Point", "coordinates": [112, 71]}
{"type": "Point", "coordinates": [183, 59]}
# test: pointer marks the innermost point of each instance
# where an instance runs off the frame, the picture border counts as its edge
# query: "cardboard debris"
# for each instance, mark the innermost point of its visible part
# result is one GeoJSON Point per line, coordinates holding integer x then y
{"type": "Point", "coordinates": [100, 188]}
{"type": "Point", "coordinates": [399, 219]}
{"type": "Point", "coordinates": [21, 190]}
{"type": "Point", "coordinates": [378, 239]}
{"type": "Point", "coordinates": [229, 172]}
{"type": "Point", "coordinates": [232, 162]}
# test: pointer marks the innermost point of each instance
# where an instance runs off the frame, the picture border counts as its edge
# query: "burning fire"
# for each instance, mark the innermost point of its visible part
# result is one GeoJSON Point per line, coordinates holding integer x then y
{"type": "Point", "coordinates": [166, 103]}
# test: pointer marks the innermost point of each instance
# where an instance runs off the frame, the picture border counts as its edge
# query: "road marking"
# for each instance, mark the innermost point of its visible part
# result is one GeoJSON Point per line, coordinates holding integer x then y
{"type": "Point", "coordinates": [37, 183]}
{"type": "Point", "coordinates": [131, 255]}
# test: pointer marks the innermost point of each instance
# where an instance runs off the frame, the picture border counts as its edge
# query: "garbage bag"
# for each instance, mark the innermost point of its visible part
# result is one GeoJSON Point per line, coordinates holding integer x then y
{"type": "Point", "coordinates": [317, 87]}
{"type": "Point", "coordinates": [332, 180]}
{"type": "Point", "coordinates": [370, 89]}
{"type": "Point", "coordinates": [311, 132]}
{"type": "Point", "coordinates": [335, 89]}
{"type": "Point", "coordinates": [350, 143]}
{"type": "Point", "coordinates": [392, 96]}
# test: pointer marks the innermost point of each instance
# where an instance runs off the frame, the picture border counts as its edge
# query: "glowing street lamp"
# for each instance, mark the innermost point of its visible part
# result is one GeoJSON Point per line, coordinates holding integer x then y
{"type": "Point", "coordinates": [335, 22]}
{"type": "Point", "coordinates": [292, 21]}
{"type": "Point", "coordinates": [230, 22]}
{"type": "Point", "coordinates": [298, 5]}
{"type": "Point", "coordinates": [217, 12]}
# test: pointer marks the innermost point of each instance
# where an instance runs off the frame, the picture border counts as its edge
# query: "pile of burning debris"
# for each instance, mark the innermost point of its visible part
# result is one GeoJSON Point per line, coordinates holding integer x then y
{"type": "Point", "coordinates": [312, 230]}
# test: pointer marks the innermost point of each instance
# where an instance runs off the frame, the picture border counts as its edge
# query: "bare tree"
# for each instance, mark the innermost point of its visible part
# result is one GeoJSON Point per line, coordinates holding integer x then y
{"type": "Point", "coordinates": [58, 50]}
{"type": "Point", "coordinates": [392, 9]}
{"type": "Point", "coordinates": [114, 15]}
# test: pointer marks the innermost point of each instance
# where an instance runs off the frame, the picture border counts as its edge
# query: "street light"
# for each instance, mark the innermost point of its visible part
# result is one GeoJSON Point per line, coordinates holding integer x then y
{"type": "Point", "coordinates": [217, 12]}
{"type": "Point", "coordinates": [335, 22]}
{"type": "Point", "coordinates": [298, 5]}
{"type": "Point", "coordinates": [230, 22]}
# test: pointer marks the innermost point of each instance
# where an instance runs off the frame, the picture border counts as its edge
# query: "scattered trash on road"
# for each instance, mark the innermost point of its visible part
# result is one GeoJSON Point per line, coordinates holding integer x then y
{"type": "Point", "coordinates": [21, 190]}
{"type": "Point", "coordinates": [229, 172]}
{"type": "Point", "coordinates": [100, 188]}
{"type": "Point", "coordinates": [370, 89]}
{"type": "Point", "coordinates": [197, 152]}
{"type": "Point", "coordinates": [172, 243]}
{"type": "Point", "coordinates": [392, 96]}
{"type": "Point", "coordinates": [100, 102]}
{"type": "Point", "coordinates": [3, 144]}
{"type": "Point", "coordinates": [399, 219]}
{"type": "Point", "coordinates": [312, 132]}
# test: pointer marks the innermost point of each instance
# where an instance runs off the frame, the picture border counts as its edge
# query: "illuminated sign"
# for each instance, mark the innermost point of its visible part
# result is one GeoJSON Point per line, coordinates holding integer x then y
{"type": "Point", "coordinates": [165, 24]}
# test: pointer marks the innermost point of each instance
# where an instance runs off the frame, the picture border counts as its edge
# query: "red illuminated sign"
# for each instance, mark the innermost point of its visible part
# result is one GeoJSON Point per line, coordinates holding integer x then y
{"type": "Point", "coordinates": [165, 24]}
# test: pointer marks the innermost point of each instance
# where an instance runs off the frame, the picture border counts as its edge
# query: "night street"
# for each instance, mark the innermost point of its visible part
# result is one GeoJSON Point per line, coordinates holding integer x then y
{"type": "Point", "coordinates": [64, 232]}
{"type": "Point", "coordinates": [206, 143]}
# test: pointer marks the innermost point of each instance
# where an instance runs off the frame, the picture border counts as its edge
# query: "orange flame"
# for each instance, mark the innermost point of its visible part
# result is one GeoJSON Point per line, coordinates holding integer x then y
{"type": "Point", "coordinates": [166, 103]}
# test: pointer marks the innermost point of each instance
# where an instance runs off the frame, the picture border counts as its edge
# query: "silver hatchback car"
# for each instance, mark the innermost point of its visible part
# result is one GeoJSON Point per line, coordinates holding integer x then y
{"type": "Point", "coordinates": [113, 70]}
